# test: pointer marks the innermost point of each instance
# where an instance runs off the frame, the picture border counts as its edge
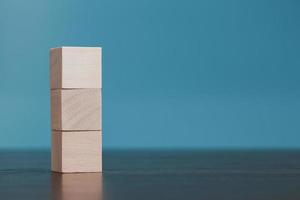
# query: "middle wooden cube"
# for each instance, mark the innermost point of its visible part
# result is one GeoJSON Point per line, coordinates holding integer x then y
{"type": "Point", "coordinates": [76, 109]}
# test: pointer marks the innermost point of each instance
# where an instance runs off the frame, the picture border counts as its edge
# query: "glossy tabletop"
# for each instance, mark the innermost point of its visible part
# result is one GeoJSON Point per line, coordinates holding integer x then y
{"type": "Point", "coordinates": [156, 174]}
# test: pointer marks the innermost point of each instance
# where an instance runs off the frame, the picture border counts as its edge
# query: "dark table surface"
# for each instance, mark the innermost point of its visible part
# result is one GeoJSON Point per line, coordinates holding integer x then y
{"type": "Point", "coordinates": [156, 175]}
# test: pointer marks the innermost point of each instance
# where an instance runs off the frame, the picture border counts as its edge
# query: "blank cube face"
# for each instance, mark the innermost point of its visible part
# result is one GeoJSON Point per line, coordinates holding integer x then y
{"type": "Point", "coordinates": [75, 67]}
{"type": "Point", "coordinates": [78, 109]}
{"type": "Point", "coordinates": [76, 151]}
{"type": "Point", "coordinates": [78, 186]}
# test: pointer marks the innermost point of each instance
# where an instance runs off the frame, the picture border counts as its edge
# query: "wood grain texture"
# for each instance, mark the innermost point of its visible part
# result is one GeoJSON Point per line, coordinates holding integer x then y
{"type": "Point", "coordinates": [56, 117]}
{"type": "Point", "coordinates": [75, 67]}
{"type": "Point", "coordinates": [56, 155]}
{"type": "Point", "coordinates": [78, 186]}
{"type": "Point", "coordinates": [76, 151]}
{"type": "Point", "coordinates": [76, 109]}
{"type": "Point", "coordinates": [56, 68]}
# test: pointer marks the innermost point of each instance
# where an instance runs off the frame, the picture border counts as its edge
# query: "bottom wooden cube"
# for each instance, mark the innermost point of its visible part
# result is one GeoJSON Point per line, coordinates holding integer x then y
{"type": "Point", "coordinates": [76, 151]}
{"type": "Point", "coordinates": [78, 186]}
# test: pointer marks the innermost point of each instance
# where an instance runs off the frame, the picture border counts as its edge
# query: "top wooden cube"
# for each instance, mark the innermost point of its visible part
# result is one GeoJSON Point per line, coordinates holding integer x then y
{"type": "Point", "coordinates": [75, 67]}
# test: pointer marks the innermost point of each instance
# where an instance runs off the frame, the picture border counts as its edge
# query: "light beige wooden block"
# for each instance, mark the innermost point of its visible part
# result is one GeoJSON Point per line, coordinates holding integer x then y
{"type": "Point", "coordinates": [76, 109]}
{"type": "Point", "coordinates": [78, 151]}
{"type": "Point", "coordinates": [78, 186]}
{"type": "Point", "coordinates": [75, 67]}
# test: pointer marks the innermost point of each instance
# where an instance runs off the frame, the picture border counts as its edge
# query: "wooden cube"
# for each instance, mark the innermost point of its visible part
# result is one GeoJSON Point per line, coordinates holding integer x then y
{"type": "Point", "coordinates": [75, 67]}
{"type": "Point", "coordinates": [78, 186]}
{"type": "Point", "coordinates": [76, 109]}
{"type": "Point", "coordinates": [76, 151]}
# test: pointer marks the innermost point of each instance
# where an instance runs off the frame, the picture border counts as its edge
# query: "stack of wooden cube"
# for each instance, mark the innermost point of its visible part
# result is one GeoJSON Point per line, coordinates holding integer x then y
{"type": "Point", "coordinates": [76, 109]}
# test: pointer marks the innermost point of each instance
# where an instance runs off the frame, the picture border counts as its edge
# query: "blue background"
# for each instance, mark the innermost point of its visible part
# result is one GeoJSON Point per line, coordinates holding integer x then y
{"type": "Point", "coordinates": [176, 74]}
